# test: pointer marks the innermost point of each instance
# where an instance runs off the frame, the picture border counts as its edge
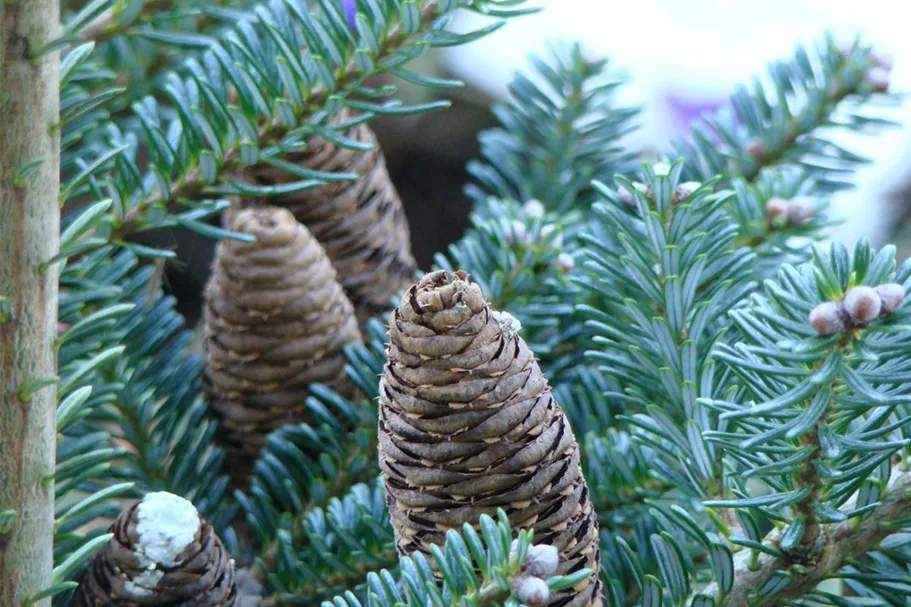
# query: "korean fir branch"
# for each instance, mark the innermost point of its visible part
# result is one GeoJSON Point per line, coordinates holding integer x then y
{"type": "Point", "coordinates": [663, 287]}
{"type": "Point", "coordinates": [129, 420]}
{"type": "Point", "coordinates": [560, 131]}
{"type": "Point", "coordinates": [332, 549]}
{"type": "Point", "coordinates": [304, 469]}
{"type": "Point", "coordinates": [784, 120]}
{"type": "Point", "coordinates": [270, 84]}
{"type": "Point", "coordinates": [139, 39]}
{"type": "Point", "coordinates": [820, 418]}
{"type": "Point", "coordinates": [485, 568]}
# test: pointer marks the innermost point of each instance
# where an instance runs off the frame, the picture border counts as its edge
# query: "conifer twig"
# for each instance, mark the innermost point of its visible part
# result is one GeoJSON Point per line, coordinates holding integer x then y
{"type": "Point", "coordinates": [191, 185]}
{"type": "Point", "coordinates": [845, 541]}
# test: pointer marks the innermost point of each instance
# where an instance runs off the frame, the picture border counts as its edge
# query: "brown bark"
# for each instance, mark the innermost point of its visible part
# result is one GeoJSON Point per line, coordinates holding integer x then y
{"type": "Point", "coordinates": [29, 236]}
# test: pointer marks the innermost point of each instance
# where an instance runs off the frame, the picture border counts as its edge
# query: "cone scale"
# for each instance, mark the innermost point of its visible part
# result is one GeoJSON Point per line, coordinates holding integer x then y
{"type": "Point", "coordinates": [468, 425]}
{"type": "Point", "coordinates": [276, 320]}
{"type": "Point", "coordinates": [361, 224]}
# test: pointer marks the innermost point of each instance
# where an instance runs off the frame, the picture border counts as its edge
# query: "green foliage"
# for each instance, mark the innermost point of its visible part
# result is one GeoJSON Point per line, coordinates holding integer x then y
{"type": "Point", "coordinates": [558, 134]}
{"type": "Point", "coordinates": [784, 120]}
{"type": "Point", "coordinates": [302, 466]}
{"type": "Point", "coordinates": [475, 567]}
{"type": "Point", "coordinates": [257, 92]}
{"type": "Point", "coordinates": [828, 414]}
{"type": "Point", "coordinates": [734, 456]}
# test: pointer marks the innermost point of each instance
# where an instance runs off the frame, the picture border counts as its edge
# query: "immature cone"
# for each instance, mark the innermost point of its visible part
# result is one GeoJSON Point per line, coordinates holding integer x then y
{"type": "Point", "coordinates": [162, 553]}
{"type": "Point", "coordinates": [468, 425]}
{"type": "Point", "coordinates": [361, 224]}
{"type": "Point", "coordinates": [276, 320]}
{"type": "Point", "coordinates": [863, 304]}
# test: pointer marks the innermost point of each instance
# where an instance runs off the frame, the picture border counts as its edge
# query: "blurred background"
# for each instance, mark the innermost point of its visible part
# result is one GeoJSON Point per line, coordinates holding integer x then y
{"type": "Point", "coordinates": [682, 58]}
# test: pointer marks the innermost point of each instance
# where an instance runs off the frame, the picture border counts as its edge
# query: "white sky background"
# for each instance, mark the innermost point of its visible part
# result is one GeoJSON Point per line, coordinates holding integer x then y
{"type": "Point", "coordinates": [698, 50]}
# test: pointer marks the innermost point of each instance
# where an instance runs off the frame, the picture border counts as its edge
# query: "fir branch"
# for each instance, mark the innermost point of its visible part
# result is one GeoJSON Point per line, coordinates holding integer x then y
{"type": "Point", "coordinates": [474, 568]}
{"type": "Point", "coordinates": [214, 137]}
{"type": "Point", "coordinates": [556, 137]}
{"type": "Point", "coordinates": [843, 543]}
{"type": "Point", "coordinates": [779, 123]}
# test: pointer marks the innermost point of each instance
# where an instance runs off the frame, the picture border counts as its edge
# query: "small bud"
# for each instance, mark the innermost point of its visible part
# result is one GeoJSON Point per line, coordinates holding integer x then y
{"type": "Point", "coordinates": [662, 169]}
{"type": "Point", "coordinates": [826, 318]}
{"type": "Point", "coordinates": [882, 60]}
{"type": "Point", "coordinates": [542, 561]}
{"type": "Point", "coordinates": [776, 207]}
{"type": "Point", "coordinates": [863, 304]}
{"type": "Point", "coordinates": [800, 210]}
{"type": "Point", "coordinates": [533, 208]}
{"type": "Point", "coordinates": [625, 197]}
{"type": "Point", "coordinates": [754, 148]}
{"type": "Point", "coordinates": [685, 190]}
{"type": "Point", "coordinates": [846, 48]}
{"type": "Point", "coordinates": [532, 591]}
{"type": "Point", "coordinates": [517, 233]}
{"type": "Point", "coordinates": [564, 262]}
{"type": "Point", "coordinates": [878, 78]}
{"type": "Point", "coordinates": [555, 241]}
{"type": "Point", "coordinates": [892, 296]}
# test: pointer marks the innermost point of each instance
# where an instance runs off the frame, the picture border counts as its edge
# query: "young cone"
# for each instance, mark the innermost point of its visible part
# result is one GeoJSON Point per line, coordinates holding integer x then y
{"type": "Point", "coordinates": [162, 553]}
{"type": "Point", "coordinates": [276, 320]}
{"type": "Point", "coordinates": [468, 425]}
{"type": "Point", "coordinates": [361, 224]}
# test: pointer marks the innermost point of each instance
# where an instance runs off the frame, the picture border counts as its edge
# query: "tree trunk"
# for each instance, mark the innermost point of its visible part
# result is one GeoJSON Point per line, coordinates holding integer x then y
{"type": "Point", "coordinates": [29, 235]}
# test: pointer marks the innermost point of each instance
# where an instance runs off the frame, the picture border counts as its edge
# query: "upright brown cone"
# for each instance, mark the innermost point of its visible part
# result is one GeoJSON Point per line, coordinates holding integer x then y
{"type": "Point", "coordinates": [468, 425]}
{"type": "Point", "coordinates": [361, 224]}
{"type": "Point", "coordinates": [276, 320]}
{"type": "Point", "coordinates": [162, 553]}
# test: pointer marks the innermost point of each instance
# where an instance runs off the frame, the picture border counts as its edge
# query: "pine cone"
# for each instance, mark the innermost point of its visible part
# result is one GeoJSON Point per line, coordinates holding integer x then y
{"type": "Point", "coordinates": [162, 553]}
{"type": "Point", "coordinates": [468, 425]}
{"type": "Point", "coordinates": [361, 224]}
{"type": "Point", "coordinates": [276, 321]}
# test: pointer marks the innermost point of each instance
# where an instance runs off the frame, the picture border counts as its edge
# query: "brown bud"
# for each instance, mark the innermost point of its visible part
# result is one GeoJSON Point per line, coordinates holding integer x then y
{"type": "Point", "coordinates": [776, 207]}
{"type": "Point", "coordinates": [532, 591]}
{"type": "Point", "coordinates": [892, 296]}
{"type": "Point", "coordinates": [826, 318]}
{"type": "Point", "coordinates": [685, 190]}
{"type": "Point", "coordinates": [754, 148]}
{"type": "Point", "coordinates": [626, 197]}
{"type": "Point", "coordinates": [882, 60]}
{"type": "Point", "coordinates": [533, 208]}
{"type": "Point", "coordinates": [878, 78]}
{"type": "Point", "coordinates": [862, 304]}
{"type": "Point", "coordinates": [276, 321]}
{"type": "Point", "coordinates": [564, 262]}
{"type": "Point", "coordinates": [801, 210]}
{"type": "Point", "coordinates": [542, 561]}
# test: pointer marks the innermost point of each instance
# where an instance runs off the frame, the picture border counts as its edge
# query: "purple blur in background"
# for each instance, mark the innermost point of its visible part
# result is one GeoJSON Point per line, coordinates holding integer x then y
{"type": "Point", "coordinates": [350, 11]}
{"type": "Point", "coordinates": [684, 112]}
